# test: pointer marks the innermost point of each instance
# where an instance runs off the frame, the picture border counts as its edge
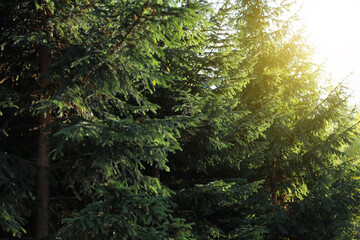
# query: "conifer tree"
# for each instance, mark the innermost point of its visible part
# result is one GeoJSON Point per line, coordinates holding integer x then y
{"type": "Point", "coordinates": [283, 132]}
{"type": "Point", "coordinates": [151, 119]}
{"type": "Point", "coordinates": [107, 60]}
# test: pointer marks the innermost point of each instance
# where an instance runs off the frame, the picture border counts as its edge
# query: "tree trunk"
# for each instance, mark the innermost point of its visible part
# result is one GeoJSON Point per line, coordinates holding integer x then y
{"type": "Point", "coordinates": [273, 183]}
{"type": "Point", "coordinates": [43, 181]}
{"type": "Point", "coordinates": [43, 161]}
{"type": "Point", "coordinates": [155, 172]}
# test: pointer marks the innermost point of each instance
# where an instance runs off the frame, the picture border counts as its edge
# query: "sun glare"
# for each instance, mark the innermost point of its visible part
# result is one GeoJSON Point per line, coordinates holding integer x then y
{"type": "Point", "coordinates": [334, 30]}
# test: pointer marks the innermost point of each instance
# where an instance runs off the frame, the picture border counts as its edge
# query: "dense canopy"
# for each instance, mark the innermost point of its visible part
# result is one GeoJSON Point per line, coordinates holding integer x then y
{"type": "Point", "coordinates": [170, 119]}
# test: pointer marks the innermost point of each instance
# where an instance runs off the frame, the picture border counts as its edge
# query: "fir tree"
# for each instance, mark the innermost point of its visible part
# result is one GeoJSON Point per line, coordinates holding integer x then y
{"type": "Point", "coordinates": [169, 120]}
{"type": "Point", "coordinates": [106, 60]}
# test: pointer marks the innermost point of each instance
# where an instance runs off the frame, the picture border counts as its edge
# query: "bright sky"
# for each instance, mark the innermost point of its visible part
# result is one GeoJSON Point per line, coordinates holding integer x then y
{"type": "Point", "coordinates": [334, 29]}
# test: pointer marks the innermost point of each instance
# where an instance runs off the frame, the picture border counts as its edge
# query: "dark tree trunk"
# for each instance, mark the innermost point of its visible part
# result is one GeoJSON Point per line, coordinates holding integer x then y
{"type": "Point", "coordinates": [155, 172]}
{"type": "Point", "coordinates": [273, 183]}
{"type": "Point", "coordinates": [43, 181]}
{"type": "Point", "coordinates": [43, 161]}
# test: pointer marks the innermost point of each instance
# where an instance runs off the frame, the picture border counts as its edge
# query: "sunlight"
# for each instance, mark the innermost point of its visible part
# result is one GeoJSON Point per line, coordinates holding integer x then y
{"type": "Point", "coordinates": [334, 30]}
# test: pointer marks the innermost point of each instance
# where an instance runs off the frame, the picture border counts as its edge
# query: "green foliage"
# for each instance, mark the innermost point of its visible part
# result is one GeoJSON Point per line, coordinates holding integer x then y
{"type": "Point", "coordinates": [222, 101]}
{"type": "Point", "coordinates": [16, 181]}
{"type": "Point", "coordinates": [224, 210]}
{"type": "Point", "coordinates": [111, 76]}
{"type": "Point", "coordinates": [123, 211]}
{"type": "Point", "coordinates": [327, 211]}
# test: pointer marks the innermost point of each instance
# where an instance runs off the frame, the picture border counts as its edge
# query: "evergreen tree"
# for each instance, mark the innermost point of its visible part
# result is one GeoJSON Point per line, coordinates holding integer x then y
{"type": "Point", "coordinates": [153, 119]}
{"type": "Point", "coordinates": [283, 132]}
{"type": "Point", "coordinates": [98, 64]}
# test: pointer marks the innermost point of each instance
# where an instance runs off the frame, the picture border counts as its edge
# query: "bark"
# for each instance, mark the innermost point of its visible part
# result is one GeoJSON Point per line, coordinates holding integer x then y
{"type": "Point", "coordinates": [273, 183]}
{"type": "Point", "coordinates": [43, 180]}
{"type": "Point", "coordinates": [43, 161]}
{"type": "Point", "coordinates": [155, 172]}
